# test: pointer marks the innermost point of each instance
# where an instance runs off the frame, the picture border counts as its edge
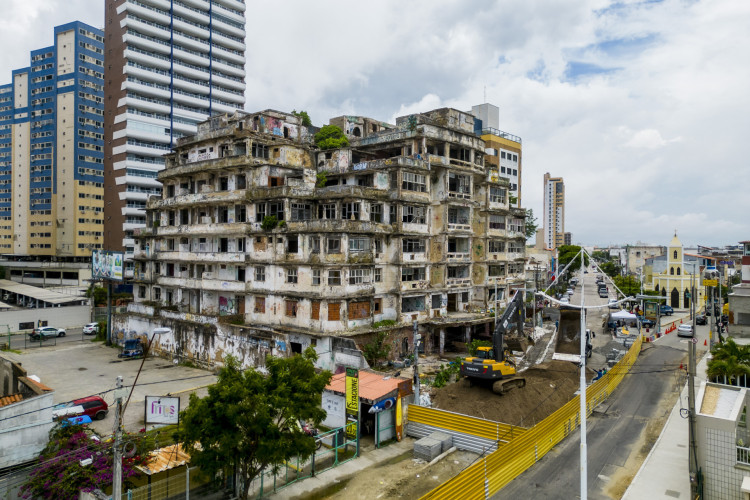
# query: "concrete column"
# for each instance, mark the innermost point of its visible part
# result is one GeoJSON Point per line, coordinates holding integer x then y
{"type": "Point", "coordinates": [467, 334]}
{"type": "Point", "coordinates": [442, 341]}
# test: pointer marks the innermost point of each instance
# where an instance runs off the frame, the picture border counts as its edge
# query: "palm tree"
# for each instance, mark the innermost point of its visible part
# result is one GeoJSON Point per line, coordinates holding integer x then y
{"type": "Point", "coordinates": [730, 361]}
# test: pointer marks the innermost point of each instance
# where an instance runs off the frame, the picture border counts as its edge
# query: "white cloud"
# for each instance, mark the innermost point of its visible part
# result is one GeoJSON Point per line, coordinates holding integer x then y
{"type": "Point", "coordinates": [651, 140]}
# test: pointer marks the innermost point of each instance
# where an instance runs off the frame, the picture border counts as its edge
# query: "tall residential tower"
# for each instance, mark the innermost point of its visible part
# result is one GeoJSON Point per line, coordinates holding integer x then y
{"type": "Point", "coordinates": [51, 149]}
{"type": "Point", "coordinates": [170, 65]}
{"type": "Point", "coordinates": [554, 211]}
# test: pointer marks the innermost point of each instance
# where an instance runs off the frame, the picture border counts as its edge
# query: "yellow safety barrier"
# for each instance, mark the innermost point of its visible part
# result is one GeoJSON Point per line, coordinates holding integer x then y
{"type": "Point", "coordinates": [496, 431]}
{"type": "Point", "coordinates": [488, 475]}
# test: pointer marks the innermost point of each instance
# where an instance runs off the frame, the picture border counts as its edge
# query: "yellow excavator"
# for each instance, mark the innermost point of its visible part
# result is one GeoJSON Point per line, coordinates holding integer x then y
{"type": "Point", "coordinates": [491, 365]}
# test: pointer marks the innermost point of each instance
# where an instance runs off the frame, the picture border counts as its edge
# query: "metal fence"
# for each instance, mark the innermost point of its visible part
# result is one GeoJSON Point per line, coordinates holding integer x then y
{"type": "Point", "coordinates": [179, 483]}
{"type": "Point", "coordinates": [488, 475]}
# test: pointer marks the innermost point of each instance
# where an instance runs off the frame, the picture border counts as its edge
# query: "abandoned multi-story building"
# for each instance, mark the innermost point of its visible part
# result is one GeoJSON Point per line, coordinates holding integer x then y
{"type": "Point", "coordinates": [262, 244]}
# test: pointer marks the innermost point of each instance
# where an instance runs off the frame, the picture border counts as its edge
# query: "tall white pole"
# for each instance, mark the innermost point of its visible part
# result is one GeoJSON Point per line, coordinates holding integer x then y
{"type": "Point", "coordinates": [117, 465]}
{"type": "Point", "coordinates": [582, 391]}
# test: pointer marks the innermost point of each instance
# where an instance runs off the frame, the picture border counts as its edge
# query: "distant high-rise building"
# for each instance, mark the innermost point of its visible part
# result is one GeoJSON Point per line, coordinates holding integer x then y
{"type": "Point", "coordinates": [502, 150]}
{"type": "Point", "coordinates": [568, 239]}
{"type": "Point", "coordinates": [554, 211]}
{"type": "Point", "coordinates": [51, 149]}
{"type": "Point", "coordinates": [169, 66]}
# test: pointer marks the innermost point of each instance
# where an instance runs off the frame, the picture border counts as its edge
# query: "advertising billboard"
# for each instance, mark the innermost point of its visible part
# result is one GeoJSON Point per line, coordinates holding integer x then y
{"type": "Point", "coordinates": [162, 410]}
{"type": "Point", "coordinates": [106, 265]}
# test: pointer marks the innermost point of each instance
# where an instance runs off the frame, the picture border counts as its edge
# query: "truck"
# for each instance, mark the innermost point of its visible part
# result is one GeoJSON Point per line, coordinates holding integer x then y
{"type": "Point", "coordinates": [491, 365]}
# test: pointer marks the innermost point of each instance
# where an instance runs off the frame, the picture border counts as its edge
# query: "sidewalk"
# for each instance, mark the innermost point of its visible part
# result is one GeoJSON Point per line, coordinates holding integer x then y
{"type": "Point", "coordinates": [326, 480]}
{"type": "Point", "coordinates": [664, 473]}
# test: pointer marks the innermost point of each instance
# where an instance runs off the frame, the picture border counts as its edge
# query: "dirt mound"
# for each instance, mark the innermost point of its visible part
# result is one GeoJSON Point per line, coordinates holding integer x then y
{"type": "Point", "coordinates": [548, 387]}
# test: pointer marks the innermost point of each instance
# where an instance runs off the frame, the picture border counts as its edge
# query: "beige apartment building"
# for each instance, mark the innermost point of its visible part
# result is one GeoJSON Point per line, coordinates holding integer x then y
{"type": "Point", "coordinates": [262, 244]}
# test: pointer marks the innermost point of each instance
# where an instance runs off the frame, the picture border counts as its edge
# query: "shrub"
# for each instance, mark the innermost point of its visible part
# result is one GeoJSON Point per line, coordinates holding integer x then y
{"type": "Point", "coordinates": [331, 137]}
{"type": "Point", "coordinates": [269, 222]}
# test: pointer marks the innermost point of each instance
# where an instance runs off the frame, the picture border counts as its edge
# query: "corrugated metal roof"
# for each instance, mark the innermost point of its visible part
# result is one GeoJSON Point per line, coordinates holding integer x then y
{"type": "Point", "coordinates": [9, 400]}
{"type": "Point", "coordinates": [372, 386]}
{"type": "Point", "coordinates": [165, 459]}
{"type": "Point", "coordinates": [42, 294]}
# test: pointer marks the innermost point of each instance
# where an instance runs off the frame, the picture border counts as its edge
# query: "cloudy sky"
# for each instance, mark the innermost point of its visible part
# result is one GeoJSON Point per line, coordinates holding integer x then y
{"type": "Point", "coordinates": [641, 106]}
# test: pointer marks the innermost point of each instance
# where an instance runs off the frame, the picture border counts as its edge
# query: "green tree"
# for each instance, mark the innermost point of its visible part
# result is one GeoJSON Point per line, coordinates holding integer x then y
{"type": "Point", "coordinates": [567, 253]}
{"type": "Point", "coordinates": [376, 349]}
{"type": "Point", "coordinates": [611, 268]}
{"type": "Point", "coordinates": [331, 137]}
{"type": "Point", "coordinates": [630, 285]}
{"type": "Point", "coordinates": [729, 360]}
{"type": "Point", "coordinates": [531, 223]}
{"type": "Point", "coordinates": [601, 256]}
{"type": "Point", "coordinates": [306, 122]}
{"type": "Point", "coordinates": [250, 421]}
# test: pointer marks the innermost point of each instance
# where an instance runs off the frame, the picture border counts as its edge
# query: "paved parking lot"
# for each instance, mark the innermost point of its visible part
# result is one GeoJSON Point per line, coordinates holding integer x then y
{"type": "Point", "coordinates": [78, 369]}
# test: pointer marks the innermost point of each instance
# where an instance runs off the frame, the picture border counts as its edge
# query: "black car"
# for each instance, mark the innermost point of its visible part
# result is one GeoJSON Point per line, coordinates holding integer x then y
{"type": "Point", "coordinates": [667, 310]}
{"type": "Point", "coordinates": [646, 323]}
{"type": "Point", "coordinates": [701, 319]}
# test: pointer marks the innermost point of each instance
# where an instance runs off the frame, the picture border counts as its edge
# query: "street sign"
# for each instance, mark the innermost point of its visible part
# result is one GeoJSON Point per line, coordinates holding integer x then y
{"type": "Point", "coordinates": [710, 282]}
{"type": "Point", "coordinates": [694, 340]}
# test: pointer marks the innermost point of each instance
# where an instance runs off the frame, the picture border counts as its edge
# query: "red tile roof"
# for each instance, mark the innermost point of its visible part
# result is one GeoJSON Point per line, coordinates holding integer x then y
{"type": "Point", "coordinates": [372, 386]}
{"type": "Point", "coordinates": [9, 400]}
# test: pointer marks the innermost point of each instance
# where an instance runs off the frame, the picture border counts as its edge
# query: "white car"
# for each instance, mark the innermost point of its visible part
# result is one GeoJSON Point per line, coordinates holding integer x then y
{"type": "Point", "coordinates": [613, 304]}
{"type": "Point", "coordinates": [565, 300]}
{"type": "Point", "coordinates": [91, 329]}
{"type": "Point", "coordinates": [685, 331]}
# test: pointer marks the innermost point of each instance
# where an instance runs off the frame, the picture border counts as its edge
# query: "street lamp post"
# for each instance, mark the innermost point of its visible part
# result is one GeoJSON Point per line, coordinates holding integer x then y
{"type": "Point", "coordinates": [120, 411]}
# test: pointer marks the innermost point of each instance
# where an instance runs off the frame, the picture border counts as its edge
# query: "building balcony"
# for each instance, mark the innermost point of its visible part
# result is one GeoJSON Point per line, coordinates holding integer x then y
{"type": "Point", "coordinates": [204, 227]}
{"type": "Point", "coordinates": [409, 286]}
{"type": "Point", "coordinates": [458, 256]}
{"type": "Point", "coordinates": [458, 282]}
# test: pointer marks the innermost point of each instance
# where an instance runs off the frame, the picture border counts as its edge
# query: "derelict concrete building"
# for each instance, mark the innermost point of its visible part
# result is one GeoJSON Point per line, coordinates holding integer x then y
{"type": "Point", "coordinates": [262, 244]}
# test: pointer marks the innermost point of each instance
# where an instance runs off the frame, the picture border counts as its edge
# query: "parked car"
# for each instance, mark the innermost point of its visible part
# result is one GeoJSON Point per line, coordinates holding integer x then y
{"type": "Point", "coordinates": [92, 406]}
{"type": "Point", "coordinates": [646, 323]}
{"type": "Point", "coordinates": [613, 304]}
{"type": "Point", "coordinates": [666, 310]}
{"type": "Point", "coordinates": [701, 319]}
{"type": "Point", "coordinates": [603, 293]}
{"type": "Point", "coordinates": [685, 330]}
{"type": "Point", "coordinates": [133, 348]}
{"type": "Point", "coordinates": [565, 300]}
{"type": "Point", "coordinates": [91, 329]}
{"type": "Point", "coordinates": [46, 332]}
{"type": "Point", "coordinates": [570, 291]}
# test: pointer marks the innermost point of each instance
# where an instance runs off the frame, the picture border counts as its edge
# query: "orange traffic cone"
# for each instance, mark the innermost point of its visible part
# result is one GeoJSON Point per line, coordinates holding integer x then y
{"type": "Point", "coordinates": [705, 342]}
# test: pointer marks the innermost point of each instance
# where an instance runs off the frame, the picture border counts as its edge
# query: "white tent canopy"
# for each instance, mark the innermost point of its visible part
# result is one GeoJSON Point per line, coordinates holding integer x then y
{"type": "Point", "coordinates": [624, 315]}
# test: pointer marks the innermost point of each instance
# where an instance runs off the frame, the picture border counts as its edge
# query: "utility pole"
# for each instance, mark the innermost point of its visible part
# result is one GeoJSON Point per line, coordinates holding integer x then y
{"type": "Point", "coordinates": [582, 391]}
{"type": "Point", "coordinates": [117, 467]}
{"type": "Point", "coordinates": [692, 459]}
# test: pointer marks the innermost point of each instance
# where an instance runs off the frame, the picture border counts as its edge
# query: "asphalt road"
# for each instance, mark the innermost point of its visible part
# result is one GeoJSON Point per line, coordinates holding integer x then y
{"type": "Point", "coordinates": [20, 341]}
{"type": "Point", "coordinates": [621, 431]}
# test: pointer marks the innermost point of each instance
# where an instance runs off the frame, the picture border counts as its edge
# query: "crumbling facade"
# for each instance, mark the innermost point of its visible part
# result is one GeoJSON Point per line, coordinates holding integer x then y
{"type": "Point", "coordinates": [300, 247]}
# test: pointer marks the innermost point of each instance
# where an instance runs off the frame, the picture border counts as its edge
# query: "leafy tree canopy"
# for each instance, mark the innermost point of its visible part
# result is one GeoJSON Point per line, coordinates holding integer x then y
{"type": "Point", "coordinates": [331, 137]}
{"type": "Point", "coordinates": [630, 285]}
{"type": "Point", "coordinates": [729, 360]}
{"type": "Point", "coordinates": [601, 256]}
{"type": "Point", "coordinates": [567, 253]}
{"type": "Point", "coordinates": [250, 420]}
{"type": "Point", "coordinates": [611, 268]}
{"type": "Point", "coordinates": [59, 473]}
{"type": "Point", "coordinates": [305, 117]}
{"type": "Point", "coordinates": [531, 223]}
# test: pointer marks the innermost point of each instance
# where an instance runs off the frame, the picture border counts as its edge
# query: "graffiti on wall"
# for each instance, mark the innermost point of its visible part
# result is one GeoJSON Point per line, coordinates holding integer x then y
{"type": "Point", "coordinates": [226, 305]}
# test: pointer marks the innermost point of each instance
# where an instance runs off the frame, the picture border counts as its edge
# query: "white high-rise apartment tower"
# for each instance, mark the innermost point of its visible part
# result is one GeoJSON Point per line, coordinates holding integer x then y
{"type": "Point", "coordinates": [554, 211]}
{"type": "Point", "coordinates": [170, 64]}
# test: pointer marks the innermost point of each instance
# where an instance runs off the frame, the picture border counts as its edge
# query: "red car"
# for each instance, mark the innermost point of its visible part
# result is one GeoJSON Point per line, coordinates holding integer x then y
{"type": "Point", "coordinates": [93, 406]}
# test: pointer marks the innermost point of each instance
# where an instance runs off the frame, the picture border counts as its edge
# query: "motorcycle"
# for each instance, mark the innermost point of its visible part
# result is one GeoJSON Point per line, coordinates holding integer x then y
{"type": "Point", "coordinates": [313, 433]}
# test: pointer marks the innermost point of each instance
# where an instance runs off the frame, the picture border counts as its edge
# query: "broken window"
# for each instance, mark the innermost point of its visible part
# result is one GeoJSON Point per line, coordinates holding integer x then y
{"type": "Point", "coordinates": [459, 184]}
{"type": "Point", "coordinates": [392, 214]}
{"type": "Point", "coordinates": [359, 244]}
{"type": "Point", "coordinates": [223, 245]}
{"type": "Point", "coordinates": [333, 245]}
{"type": "Point", "coordinates": [497, 222]}
{"type": "Point", "coordinates": [350, 211]}
{"type": "Point", "coordinates": [259, 151]}
{"type": "Point", "coordinates": [414, 215]}
{"type": "Point", "coordinates": [223, 214]}
{"type": "Point", "coordinates": [458, 215]}
{"type": "Point", "coordinates": [223, 183]}
{"type": "Point", "coordinates": [413, 273]}
{"type": "Point", "coordinates": [241, 181]}
{"type": "Point", "coordinates": [376, 212]}
{"type": "Point", "coordinates": [496, 270]}
{"type": "Point", "coordinates": [413, 245]}
{"type": "Point", "coordinates": [277, 209]}
{"type": "Point", "coordinates": [377, 306]}
{"type": "Point", "coordinates": [458, 245]}
{"type": "Point", "coordinates": [292, 244]}
{"type": "Point", "coordinates": [365, 180]}
{"type": "Point", "coordinates": [359, 276]}
{"type": "Point", "coordinates": [413, 182]}
{"type": "Point", "coordinates": [327, 211]}
{"type": "Point", "coordinates": [301, 211]}
{"type": "Point", "coordinates": [314, 244]}
{"type": "Point", "coordinates": [240, 244]}
{"type": "Point", "coordinates": [275, 181]}
{"type": "Point", "coordinates": [240, 213]}
{"type": "Point", "coordinates": [291, 275]}
{"type": "Point", "coordinates": [437, 299]}
{"type": "Point", "coordinates": [459, 272]}
{"type": "Point", "coordinates": [412, 304]}
{"type": "Point", "coordinates": [378, 275]}
{"type": "Point", "coordinates": [260, 212]}
{"type": "Point", "coordinates": [260, 273]}
{"type": "Point", "coordinates": [334, 277]}
{"type": "Point", "coordinates": [497, 195]}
